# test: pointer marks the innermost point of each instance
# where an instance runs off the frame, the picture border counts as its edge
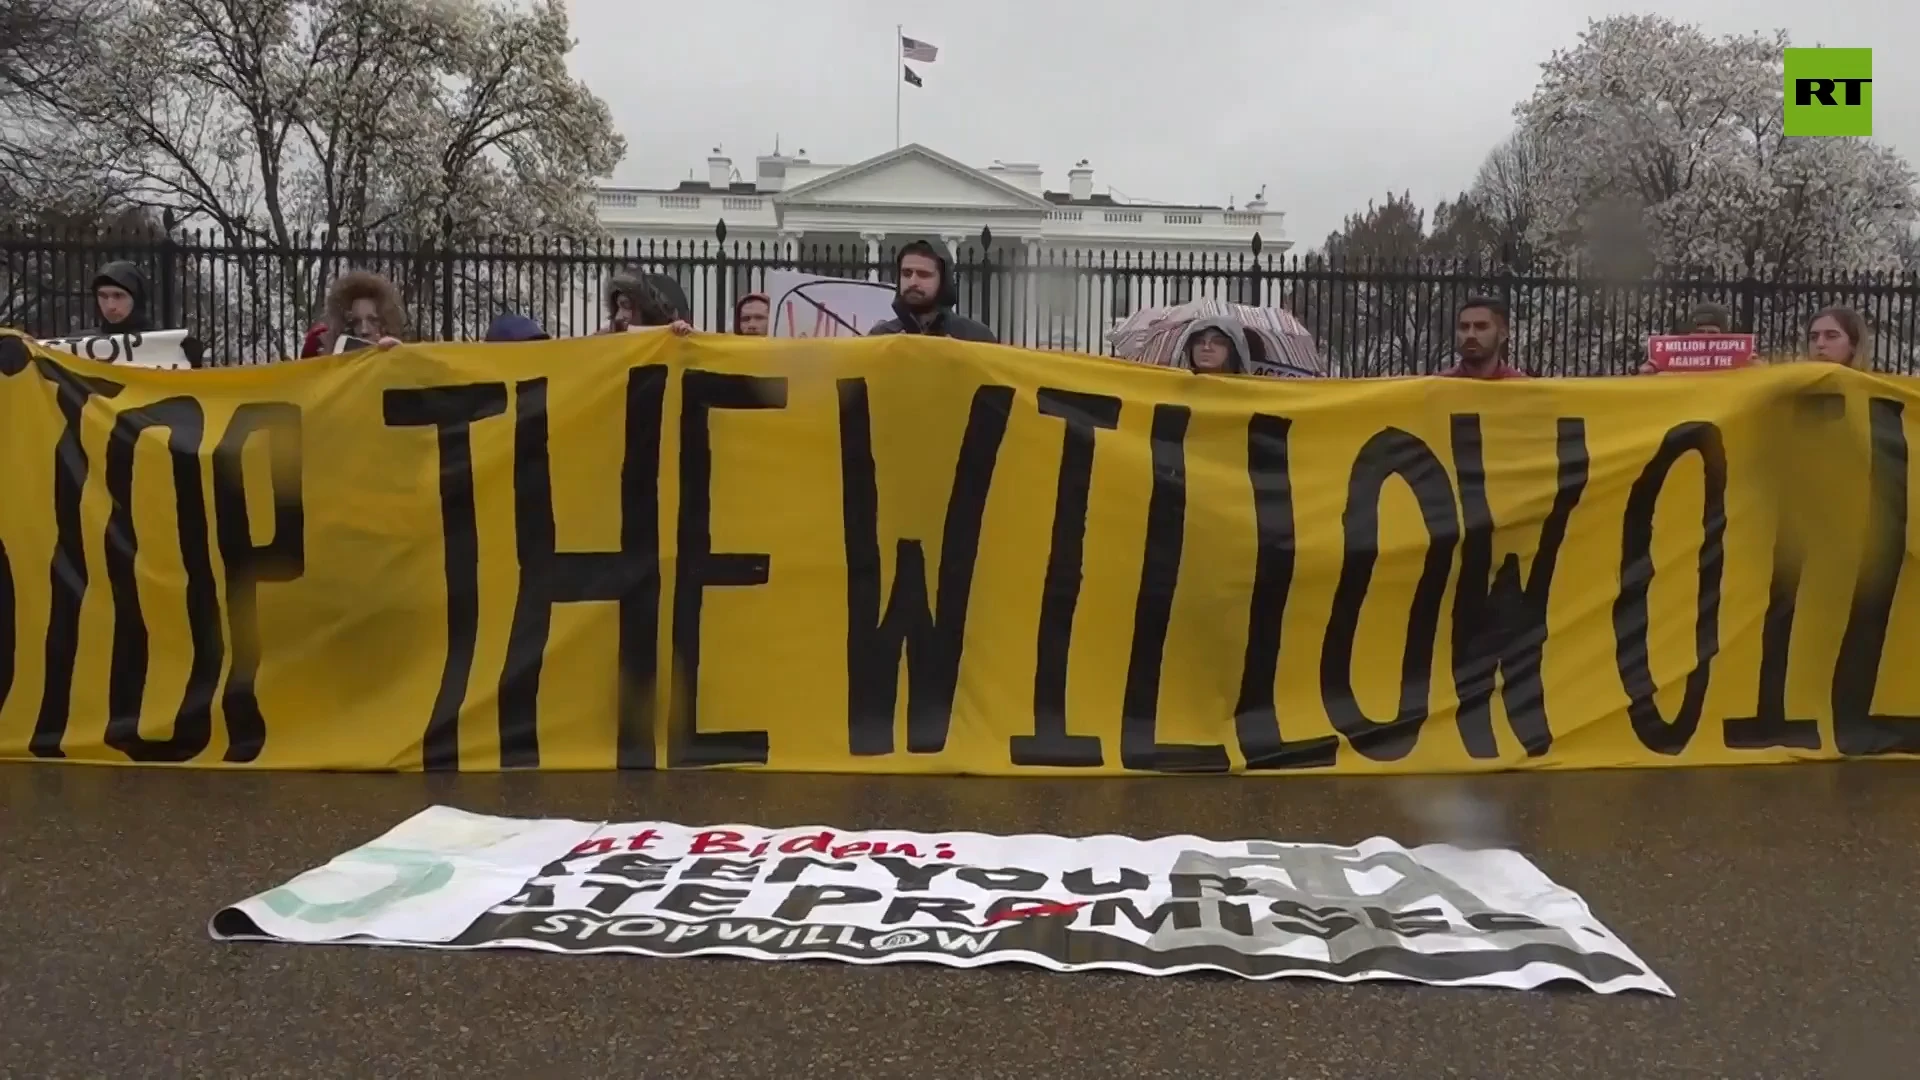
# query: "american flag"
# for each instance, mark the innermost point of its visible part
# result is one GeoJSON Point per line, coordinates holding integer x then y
{"type": "Point", "coordinates": [918, 50]}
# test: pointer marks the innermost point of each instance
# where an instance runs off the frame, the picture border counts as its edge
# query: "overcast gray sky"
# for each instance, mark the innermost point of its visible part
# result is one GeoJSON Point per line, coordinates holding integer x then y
{"type": "Point", "coordinates": [1329, 104]}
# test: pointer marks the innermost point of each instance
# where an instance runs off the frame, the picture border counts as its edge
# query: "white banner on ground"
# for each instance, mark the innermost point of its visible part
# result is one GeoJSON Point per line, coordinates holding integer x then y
{"type": "Point", "coordinates": [811, 306]}
{"type": "Point", "coordinates": [1255, 908]}
{"type": "Point", "coordinates": [155, 349]}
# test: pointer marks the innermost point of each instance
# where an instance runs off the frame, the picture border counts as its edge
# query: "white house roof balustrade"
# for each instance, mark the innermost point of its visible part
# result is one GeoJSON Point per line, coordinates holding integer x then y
{"type": "Point", "coordinates": [916, 191]}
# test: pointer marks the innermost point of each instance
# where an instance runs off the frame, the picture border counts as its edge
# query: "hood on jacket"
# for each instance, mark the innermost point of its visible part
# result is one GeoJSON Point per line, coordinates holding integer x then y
{"type": "Point", "coordinates": [741, 304]}
{"type": "Point", "coordinates": [656, 299]}
{"type": "Point", "coordinates": [948, 297]}
{"type": "Point", "coordinates": [1236, 342]}
{"type": "Point", "coordinates": [512, 327]}
{"type": "Point", "coordinates": [123, 275]}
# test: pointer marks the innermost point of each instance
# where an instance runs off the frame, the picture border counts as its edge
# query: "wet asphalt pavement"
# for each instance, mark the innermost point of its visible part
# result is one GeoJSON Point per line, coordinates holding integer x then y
{"type": "Point", "coordinates": [1782, 905]}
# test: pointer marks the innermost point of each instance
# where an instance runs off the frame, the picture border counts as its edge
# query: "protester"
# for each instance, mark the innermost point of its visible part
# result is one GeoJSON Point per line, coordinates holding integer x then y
{"type": "Point", "coordinates": [637, 301]}
{"type": "Point", "coordinates": [752, 314]}
{"type": "Point", "coordinates": [511, 327]}
{"type": "Point", "coordinates": [926, 297]}
{"type": "Point", "coordinates": [1215, 346]}
{"type": "Point", "coordinates": [1838, 335]}
{"type": "Point", "coordinates": [120, 302]}
{"type": "Point", "coordinates": [1707, 318]}
{"type": "Point", "coordinates": [1480, 337]}
{"type": "Point", "coordinates": [120, 299]}
{"type": "Point", "coordinates": [362, 304]}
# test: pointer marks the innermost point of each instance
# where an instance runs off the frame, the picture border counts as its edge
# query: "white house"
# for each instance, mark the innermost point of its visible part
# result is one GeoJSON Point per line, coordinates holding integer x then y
{"type": "Point", "coordinates": [1065, 262]}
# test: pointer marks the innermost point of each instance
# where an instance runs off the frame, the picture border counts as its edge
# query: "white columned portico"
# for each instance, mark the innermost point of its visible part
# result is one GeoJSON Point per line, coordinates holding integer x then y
{"type": "Point", "coordinates": [873, 253]}
{"type": "Point", "coordinates": [953, 241]}
{"type": "Point", "coordinates": [789, 241]}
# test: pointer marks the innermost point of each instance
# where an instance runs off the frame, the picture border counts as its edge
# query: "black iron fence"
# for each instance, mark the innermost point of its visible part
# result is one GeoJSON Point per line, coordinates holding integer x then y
{"type": "Point", "coordinates": [252, 301]}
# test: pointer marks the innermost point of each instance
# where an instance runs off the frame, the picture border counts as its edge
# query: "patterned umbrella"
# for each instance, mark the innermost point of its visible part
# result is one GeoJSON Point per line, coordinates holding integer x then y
{"type": "Point", "coordinates": [1150, 334]}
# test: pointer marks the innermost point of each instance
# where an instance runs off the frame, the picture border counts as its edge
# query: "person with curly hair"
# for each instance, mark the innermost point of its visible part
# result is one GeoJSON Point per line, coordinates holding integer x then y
{"type": "Point", "coordinates": [363, 306]}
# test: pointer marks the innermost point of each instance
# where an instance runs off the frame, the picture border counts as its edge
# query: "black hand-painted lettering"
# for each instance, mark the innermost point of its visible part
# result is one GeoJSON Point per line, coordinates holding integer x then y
{"type": "Point", "coordinates": [8, 636]}
{"type": "Point", "coordinates": [1389, 453]}
{"type": "Point", "coordinates": [932, 636]}
{"type": "Point", "coordinates": [800, 900]}
{"type": "Point", "coordinates": [610, 896]}
{"type": "Point", "coordinates": [452, 411]}
{"type": "Point", "coordinates": [1858, 731]}
{"type": "Point", "coordinates": [14, 356]}
{"type": "Point", "coordinates": [1082, 883]}
{"type": "Point", "coordinates": [723, 870]}
{"type": "Point", "coordinates": [1050, 744]}
{"type": "Point", "coordinates": [13, 360]}
{"type": "Point", "coordinates": [532, 896]}
{"type": "Point", "coordinates": [185, 426]}
{"type": "Point", "coordinates": [910, 876]}
{"type": "Point", "coordinates": [1630, 612]}
{"type": "Point", "coordinates": [1256, 718]}
{"type": "Point", "coordinates": [1198, 886]}
{"type": "Point", "coordinates": [1500, 626]}
{"type": "Point", "coordinates": [629, 577]}
{"type": "Point", "coordinates": [700, 901]}
{"type": "Point", "coordinates": [1770, 726]}
{"type": "Point", "coordinates": [940, 909]}
{"type": "Point", "coordinates": [701, 568]}
{"type": "Point", "coordinates": [1185, 914]}
{"type": "Point", "coordinates": [280, 559]}
{"type": "Point", "coordinates": [1321, 922]}
{"type": "Point", "coordinates": [68, 571]}
{"type": "Point", "coordinates": [789, 869]}
{"type": "Point", "coordinates": [1002, 879]}
{"type": "Point", "coordinates": [1140, 745]}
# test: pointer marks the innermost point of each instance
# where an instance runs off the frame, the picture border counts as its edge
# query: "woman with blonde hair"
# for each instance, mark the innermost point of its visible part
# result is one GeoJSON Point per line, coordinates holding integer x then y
{"type": "Point", "coordinates": [1839, 335]}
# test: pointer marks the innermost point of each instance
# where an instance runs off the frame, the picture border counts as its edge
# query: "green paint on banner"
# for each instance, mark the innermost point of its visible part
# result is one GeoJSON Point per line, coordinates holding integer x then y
{"type": "Point", "coordinates": [418, 873]}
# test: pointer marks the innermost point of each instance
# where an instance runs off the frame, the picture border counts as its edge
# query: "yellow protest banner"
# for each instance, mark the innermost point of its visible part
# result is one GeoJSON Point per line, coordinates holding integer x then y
{"type": "Point", "coordinates": [907, 555]}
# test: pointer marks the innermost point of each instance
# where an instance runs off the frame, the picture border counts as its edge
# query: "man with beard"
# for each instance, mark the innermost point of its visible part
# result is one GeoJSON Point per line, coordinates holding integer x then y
{"type": "Point", "coordinates": [1480, 339]}
{"type": "Point", "coordinates": [924, 303]}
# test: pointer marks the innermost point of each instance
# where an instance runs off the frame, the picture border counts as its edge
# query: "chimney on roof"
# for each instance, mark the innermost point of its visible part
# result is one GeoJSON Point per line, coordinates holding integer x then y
{"type": "Point", "coordinates": [1080, 181]}
{"type": "Point", "coordinates": [719, 169]}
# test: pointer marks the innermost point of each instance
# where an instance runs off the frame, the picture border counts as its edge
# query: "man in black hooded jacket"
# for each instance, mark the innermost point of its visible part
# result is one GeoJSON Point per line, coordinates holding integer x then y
{"type": "Point", "coordinates": [924, 303]}
{"type": "Point", "coordinates": [120, 300]}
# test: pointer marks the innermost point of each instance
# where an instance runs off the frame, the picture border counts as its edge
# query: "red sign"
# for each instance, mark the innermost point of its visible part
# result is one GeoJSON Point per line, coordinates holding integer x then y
{"type": "Point", "coordinates": [1699, 352]}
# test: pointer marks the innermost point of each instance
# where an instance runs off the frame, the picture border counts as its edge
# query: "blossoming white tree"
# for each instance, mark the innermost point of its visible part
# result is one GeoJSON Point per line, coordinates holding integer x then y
{"type": "Point", "coordinates": [1665, 150]}
{"type": "Point", "coordinates": [326, 123]}
{"type": "Point", "coordinates": [1648, 164]}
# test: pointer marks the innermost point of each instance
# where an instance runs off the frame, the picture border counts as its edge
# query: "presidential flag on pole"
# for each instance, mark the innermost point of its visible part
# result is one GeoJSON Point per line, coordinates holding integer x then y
{"type": "Point", "coordinates": [918, 51]}
{"type": "Point", "coordinates": [912, 79]}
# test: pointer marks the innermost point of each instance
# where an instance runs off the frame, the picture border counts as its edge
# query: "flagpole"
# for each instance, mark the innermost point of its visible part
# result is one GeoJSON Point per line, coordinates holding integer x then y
{"type": "Point", "coordinates": [899, 77]}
